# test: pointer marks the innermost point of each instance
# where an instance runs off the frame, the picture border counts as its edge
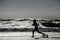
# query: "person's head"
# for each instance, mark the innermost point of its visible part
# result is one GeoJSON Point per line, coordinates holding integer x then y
{"type": "Point", "coordinates": [34, 21]}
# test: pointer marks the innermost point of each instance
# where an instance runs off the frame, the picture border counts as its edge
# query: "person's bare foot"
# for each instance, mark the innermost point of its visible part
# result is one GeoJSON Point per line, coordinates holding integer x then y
{"type": "Point", "coordinates": [32, 36]}
{"type": "Point", "coordinates": [45, 36]}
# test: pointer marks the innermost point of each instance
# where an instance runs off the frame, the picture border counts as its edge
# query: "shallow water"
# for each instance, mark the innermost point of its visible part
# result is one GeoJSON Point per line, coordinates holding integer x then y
{"type": "Point", "coordinates": [27, 36]}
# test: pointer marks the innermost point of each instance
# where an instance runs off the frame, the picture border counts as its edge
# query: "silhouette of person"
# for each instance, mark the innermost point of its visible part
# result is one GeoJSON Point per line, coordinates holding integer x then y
{"type": "Point", "coordinates": [35, 24]}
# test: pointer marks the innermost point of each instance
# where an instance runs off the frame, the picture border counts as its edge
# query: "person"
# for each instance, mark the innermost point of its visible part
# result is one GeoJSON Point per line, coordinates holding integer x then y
{"type": "Point", "coordinates": [35, 24]}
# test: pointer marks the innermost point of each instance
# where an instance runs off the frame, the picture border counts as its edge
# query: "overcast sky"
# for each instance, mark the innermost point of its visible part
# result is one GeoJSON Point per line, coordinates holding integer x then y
{"type": "Point", "coordinates": [29, 8]}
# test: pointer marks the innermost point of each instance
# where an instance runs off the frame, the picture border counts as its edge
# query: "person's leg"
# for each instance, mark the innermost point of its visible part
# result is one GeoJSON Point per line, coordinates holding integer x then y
{"type": "Point", "coordinates": [33, 33]}
{"type": "Point", "coordinates": [39, 32]}
{"type": "Point", "coordinates": [44, 35]}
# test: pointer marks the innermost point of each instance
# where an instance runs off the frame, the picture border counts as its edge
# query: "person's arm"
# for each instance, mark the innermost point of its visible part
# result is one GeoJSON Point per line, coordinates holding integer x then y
{"type": "Point", "coordinates": [37, 24]}
{"type": "Point", "coordinates": [33, 24]}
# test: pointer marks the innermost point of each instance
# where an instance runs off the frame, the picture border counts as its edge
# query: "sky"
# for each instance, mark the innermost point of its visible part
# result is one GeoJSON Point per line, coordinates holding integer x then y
{"type": "Point", "coordinates": [29, 8]}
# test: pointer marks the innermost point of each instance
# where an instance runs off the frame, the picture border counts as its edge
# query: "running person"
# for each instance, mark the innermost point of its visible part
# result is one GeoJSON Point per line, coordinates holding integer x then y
{"type": "Point", "coordinates": [35, 24]}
